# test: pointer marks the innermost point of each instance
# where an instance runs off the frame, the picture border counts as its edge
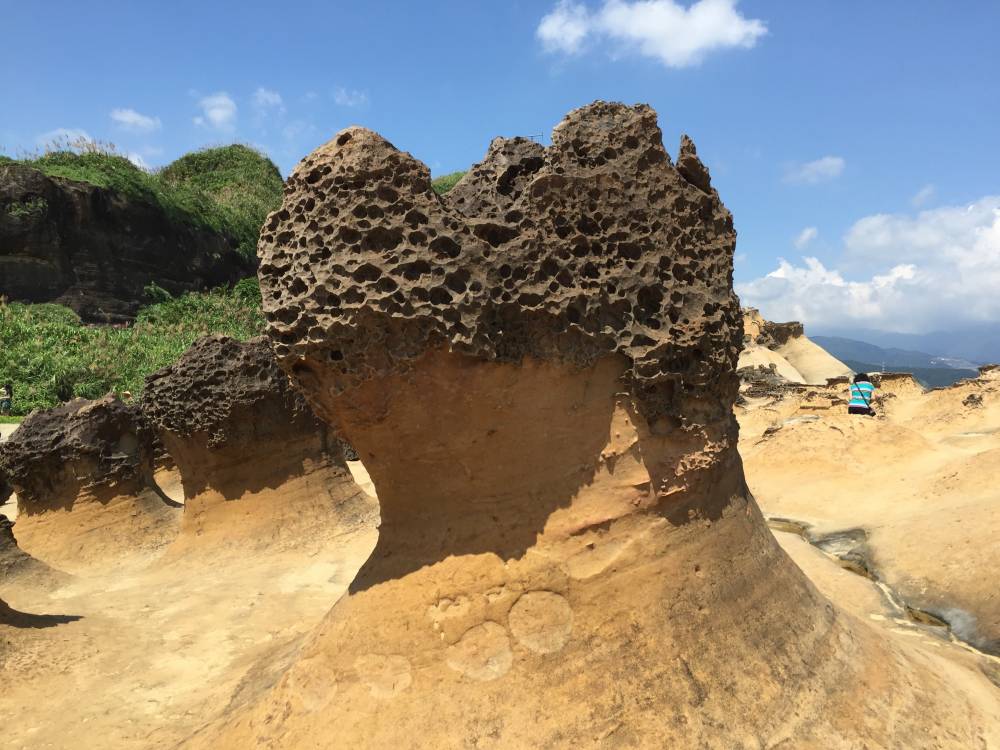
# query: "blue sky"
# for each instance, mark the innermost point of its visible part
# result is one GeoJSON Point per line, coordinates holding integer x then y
{"type": "Point", "coordinates": [862, 136]}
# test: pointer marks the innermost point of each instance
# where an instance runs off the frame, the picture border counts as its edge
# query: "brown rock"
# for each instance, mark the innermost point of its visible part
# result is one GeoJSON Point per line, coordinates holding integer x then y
{"type": "Point", "coordinates": [95, 250]}
{"type": "Point", "coordinates": [568, 555]}
{"type": "Point", "coordinates": [83, 476]}
{"type": "Point", "coordinates": [236, 430]}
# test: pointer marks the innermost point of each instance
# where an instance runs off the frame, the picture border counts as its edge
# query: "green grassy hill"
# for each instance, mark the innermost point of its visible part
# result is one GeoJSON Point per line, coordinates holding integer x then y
{"type": "Point", "coordinates": [229, 189]}
{"type": "Point", "coordinates": [49, 356]}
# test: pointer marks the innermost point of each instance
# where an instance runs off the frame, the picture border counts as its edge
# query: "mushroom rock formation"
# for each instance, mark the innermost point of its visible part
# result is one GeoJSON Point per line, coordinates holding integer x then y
{"type": "Point", "coordinates": [83, 478]}
{"type": "Point", "coordinates": [568, 556]}
{"type": "Point", "coordinates": [237, 431]}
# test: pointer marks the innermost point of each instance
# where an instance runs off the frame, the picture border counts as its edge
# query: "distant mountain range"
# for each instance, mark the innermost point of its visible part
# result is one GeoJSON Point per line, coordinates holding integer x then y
{"type": "Point", "coordinates": [843, 348]}
{"type": "Point", "coordinates": [973, 345]}
{"type": "Point", "coordinates": [931, 370]}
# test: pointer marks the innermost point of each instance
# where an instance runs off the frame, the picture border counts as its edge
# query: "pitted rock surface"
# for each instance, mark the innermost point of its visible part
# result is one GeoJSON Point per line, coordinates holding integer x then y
{"type": "Point", "coordinates": [604, 247]}
{"type": "Point", "coordinates": [5, 487]}
{"type": "Point", "coordinates": [224, 389]}
{"type": "Point", "coordinates": [489, 189]}
{"type": "Point", "coordinates": [96, 445]}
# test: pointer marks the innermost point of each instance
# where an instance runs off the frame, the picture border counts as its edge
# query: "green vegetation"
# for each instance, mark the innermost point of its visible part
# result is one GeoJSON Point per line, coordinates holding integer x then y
{"type": "Point", "coordinates": [244, 184]}
{"type": "Point", "coordinates": [229, 189]}
{"type": "Point", "coordinates": [446, 182]}
{"type": "Point", "coordinates": [49, 356]}
{"type": "Point", "coordinates": [29, 208]}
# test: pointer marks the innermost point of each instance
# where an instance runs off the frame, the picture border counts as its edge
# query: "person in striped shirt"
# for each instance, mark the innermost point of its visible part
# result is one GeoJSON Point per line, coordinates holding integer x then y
{"type": "Point", "coordinates": [862, 393]}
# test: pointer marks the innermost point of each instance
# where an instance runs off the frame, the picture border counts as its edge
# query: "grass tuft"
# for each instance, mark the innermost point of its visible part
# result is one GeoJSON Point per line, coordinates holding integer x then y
{"type": "Point", "coordinates": [446, 182]}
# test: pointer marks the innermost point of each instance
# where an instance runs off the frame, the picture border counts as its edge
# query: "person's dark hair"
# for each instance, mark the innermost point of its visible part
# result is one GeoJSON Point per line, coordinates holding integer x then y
{"type": "Point", "coordinates": [862, 377]}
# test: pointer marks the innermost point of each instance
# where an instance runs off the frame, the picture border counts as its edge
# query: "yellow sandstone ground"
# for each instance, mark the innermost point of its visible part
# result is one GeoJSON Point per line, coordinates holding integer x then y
{"type": "Point", "coordinates": [140, 658]}
{"type": "Point", "coordinates": [919, 480]}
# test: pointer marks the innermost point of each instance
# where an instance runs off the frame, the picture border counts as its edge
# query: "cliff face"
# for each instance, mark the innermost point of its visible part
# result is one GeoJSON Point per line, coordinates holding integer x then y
{"type": "Point", "coordinates": [95, 250]}
{"type": "Point", "coordinates": [540, 381]}
{"type": "Point", "coordinates": [237, 431]}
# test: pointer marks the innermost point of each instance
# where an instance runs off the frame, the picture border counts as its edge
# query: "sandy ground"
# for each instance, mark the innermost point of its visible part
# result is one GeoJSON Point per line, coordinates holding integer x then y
{"type": "Point", "coordinates": [918, 482]}
{"type": "Point", "coordinates": [143, 658]}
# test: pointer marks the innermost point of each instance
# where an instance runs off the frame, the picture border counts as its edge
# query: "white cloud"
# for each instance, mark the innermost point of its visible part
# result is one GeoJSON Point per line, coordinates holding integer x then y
{"type": "Point", "coordinates": [62, 136]}
{"type": "Point", "coordinates": [350, 97]}
{"type": "Point", "coordinates": [806, 236]}
{"type": "Point", "coordinates": [217, 111]}
{"type": "Point", "coordinates": [138, 160]}
{"type": "Point", "coordinates": [565, 28]}
{"type": "Point", "coordinates": [812, 172]}
{"type": "Point", "coordinates": [664, 30]}
{"type": "Point", "coordinates": [935, 270]}
{"type": "Point", "coordinates": [923, 195]}
{"type": "Point", "coordinates": [268, 100]}
{"type": "Point", "coordinates": [129, 119]}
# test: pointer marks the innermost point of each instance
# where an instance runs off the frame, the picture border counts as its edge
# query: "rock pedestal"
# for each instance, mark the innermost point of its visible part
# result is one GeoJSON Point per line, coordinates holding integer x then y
{"type": "Point", "coordinates": [541, 386]}
{"type": "Point", "coordinates": [258, 469]}
{"type": "Point", "coordinates": [82, 472]}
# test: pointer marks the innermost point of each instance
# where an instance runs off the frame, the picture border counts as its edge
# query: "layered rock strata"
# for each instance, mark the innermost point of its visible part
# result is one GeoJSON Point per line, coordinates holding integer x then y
{"type": "Point", "coordinates": [95, 249]}
{"type": "Point", "coordinates": [541, 386]}
{"type": "Point", "coordinates": [82, 472]}
{"type": "Point", "coordinates": [237, 431]}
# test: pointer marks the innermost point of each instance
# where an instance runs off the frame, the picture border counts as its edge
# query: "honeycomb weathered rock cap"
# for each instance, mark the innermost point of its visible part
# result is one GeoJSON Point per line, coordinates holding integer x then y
{"type": "Point", "coordinates": [601, 247]}
{"type": "Point", "coordinates": [217, 383]}
{"type": "Point", "coordinates": [78, 444]}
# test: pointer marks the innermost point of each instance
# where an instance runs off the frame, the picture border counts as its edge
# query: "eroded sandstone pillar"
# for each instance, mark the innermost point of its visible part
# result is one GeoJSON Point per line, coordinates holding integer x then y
{"type": "Point", "coordinates": [258, 469]}
{"type": "Point", "coordinates": [538, 373]}
{"type": "Point", "coordinates": [82, 472]}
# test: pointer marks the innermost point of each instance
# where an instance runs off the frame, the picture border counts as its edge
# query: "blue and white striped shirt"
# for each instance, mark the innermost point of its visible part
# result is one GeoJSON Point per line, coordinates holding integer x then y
{"type": "Point", "coordinates": [861, 394]}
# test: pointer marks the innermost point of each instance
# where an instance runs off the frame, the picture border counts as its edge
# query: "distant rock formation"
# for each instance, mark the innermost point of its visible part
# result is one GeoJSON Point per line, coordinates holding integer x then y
{"type": "Point", "coordinates": [95, 250]}
{"type": "Point", "coordinates": [237, 431]}
{"type": "Point", "coordinates": [82, 472]}
{"type": "Point", "coordinates": [568, 555]}
{"type": "Point", "coordinates": [784, 346]}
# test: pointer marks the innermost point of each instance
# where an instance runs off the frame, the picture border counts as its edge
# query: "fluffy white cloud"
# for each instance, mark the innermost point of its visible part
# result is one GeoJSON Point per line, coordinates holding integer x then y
{"type": "Point", "coordinates": [217, 111]}
{"type": "Point", "coordinates": [812, 172]}
{"type": "Point", "coordinates": [664, 30]}
{"type": "Point", "coordinates": [806, 236]}
{"type": "Point", "coordinates": [350, 97]}
{"type": "Point", "coordinates": [268, 100]}
{"type": "Point", "coordinates": [922, 196]}
{"type": "Point", "coordinates": [565, 28]}
{"type": "Point", "coordinates": [129, 119]}
{"type": "Point", "coordinates": [935, 270]}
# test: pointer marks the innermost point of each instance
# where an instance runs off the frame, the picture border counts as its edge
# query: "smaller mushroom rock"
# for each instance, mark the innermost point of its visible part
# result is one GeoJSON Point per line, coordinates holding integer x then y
{"type": "Point", "coordinates": [238, 432]}
{"type": "Point", "coordinates": [82, 474]}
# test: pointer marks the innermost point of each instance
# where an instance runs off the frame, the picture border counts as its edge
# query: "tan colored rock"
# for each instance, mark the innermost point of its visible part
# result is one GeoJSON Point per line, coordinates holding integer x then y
{"type": "Point", "coordinates": [82, 472]}
{"type": "Point", "coordinates": [568, 555]}
{"type": "Point", "coordinates": [920, 481]}
{"type": "Point", "coordinates": [258, 470]}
